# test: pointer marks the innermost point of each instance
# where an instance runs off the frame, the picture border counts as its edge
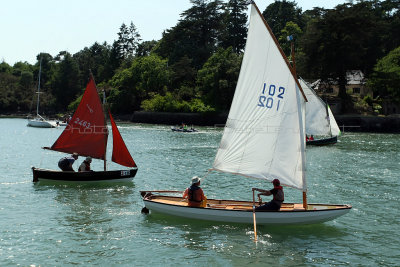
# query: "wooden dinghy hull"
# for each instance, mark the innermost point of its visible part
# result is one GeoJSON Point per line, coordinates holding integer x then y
{"type": "Point", "coordinates": [241, 211]}
{"type": "Point", "coordinates": [87, 177]}
{"type": "Point", "coordinates": [322, 142]}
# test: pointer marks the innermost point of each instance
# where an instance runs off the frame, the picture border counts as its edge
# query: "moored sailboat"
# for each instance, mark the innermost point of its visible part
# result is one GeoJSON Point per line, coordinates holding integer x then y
{"type": "Point", "coordinates": [264, 138]}
{"type": "Point", "coordinates": [39, 121]}
{"type": "Point", "coordinates": [319, 119]}
{"type": "Point", "coordinates": [87, 134]}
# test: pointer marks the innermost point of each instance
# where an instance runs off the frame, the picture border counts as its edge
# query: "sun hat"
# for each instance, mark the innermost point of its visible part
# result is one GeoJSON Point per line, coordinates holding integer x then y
{"type": "Point", "coordinates": [195, 179]}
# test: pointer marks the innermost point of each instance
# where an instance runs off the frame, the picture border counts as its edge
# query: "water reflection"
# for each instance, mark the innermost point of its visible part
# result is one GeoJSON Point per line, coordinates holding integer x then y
{"type": "Point", "coordinates": [289, 244]}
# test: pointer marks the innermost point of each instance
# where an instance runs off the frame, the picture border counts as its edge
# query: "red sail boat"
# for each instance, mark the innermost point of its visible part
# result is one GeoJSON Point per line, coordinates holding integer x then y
{"type": "Point", "coordinates": [86, 134]}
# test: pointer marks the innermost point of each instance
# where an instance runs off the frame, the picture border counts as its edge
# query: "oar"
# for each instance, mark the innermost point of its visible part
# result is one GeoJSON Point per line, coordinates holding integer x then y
{"type": "Point", "coordinates": [254, 218]}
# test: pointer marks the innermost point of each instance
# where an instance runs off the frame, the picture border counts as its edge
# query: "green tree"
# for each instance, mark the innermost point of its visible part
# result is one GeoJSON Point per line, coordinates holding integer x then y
{"type": "Point", "coordinates": [279, 13]}
{"type": "Point", "coordinates": [385, 79]}
{"type": "Point", "coordinates": [144, 48]}
{"type": "Point", "coordinates": [291, 29]}
{"type": "Point", "coordinates": [342, 39]}
{"type": "Point", "coordinates": [235, 32]}
{"type": "Point", "coordinates": [94, 59]}
{"type": "Point", "coordinates": [183, 78]}
{"type": "Point", "coordinates": [218, 77]}
{"type": "Point", "coordinates": [4, 67]}
{"type": "Point", "coordinates": [128, 40]}
{"type": "Point", "coordinates": [65, 83]}
{"type": "Point", "coordinates": [196, 34]}
{"type": "Point", "coordinates": [146, 76]}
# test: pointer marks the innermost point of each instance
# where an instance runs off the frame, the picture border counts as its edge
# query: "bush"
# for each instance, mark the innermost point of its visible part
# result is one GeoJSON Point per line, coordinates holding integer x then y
{"type": "Point", "coordinates": [169, 103]}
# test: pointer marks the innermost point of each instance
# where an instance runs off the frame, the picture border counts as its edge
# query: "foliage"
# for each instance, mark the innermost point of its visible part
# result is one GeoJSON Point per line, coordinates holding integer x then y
{"type": "Point", "coordinates": [235, 32]}
{"type": "Point", "coordinates": [291, 29]}
{"type": "Point", "coordinates": [128, 40]}
{"type": "Point", "coordinates": [74, 105]}
{"type": "Point", "coordinates": [4, 67]}
{"type": "Point", "coordinates": [145, 76]}
{"type": "Point", "coordinates": [196, 34]}
{"type": "Point", "coordinates": [279, 13]}
{"type": "Point", "coordinates": [145, 48]}
{"type": "Point", "coordinates": [385, 79]}
{"type": "Point", "coordinates": [169, 103]}
{"type": "Point", "coordinates": [64, 86]}
{"type": "Point", "coordinates": [194, 66]}
{"type": "Point", "coordinates": [217, 79]}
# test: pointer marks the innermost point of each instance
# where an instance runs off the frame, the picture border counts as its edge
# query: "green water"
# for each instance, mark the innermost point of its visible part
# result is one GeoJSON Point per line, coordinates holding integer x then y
{"type": "Point", "coordinates": [65, 225]}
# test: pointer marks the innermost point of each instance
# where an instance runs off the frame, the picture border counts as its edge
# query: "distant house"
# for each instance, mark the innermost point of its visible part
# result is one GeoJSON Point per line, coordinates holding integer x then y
{"type": "Point", "coordinates": [356, 85]}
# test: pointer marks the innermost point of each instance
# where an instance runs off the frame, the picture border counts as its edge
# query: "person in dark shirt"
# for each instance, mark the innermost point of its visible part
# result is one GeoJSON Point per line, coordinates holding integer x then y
{"type": "Point", "coordinates": [278, 197]}
{"type": "Point", "coordinates": [65, 164]}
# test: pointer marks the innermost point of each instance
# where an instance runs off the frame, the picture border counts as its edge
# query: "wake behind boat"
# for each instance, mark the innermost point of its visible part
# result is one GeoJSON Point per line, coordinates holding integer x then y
{"type": "Point", "coordinates": [264, 138]}
{"type": "Point", "coordinates": [87, 134]}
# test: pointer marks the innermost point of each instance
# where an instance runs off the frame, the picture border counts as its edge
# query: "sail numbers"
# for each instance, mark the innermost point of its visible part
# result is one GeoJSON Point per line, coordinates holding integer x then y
{"type": "Point", "coordinates": [271, 97]}
{"type": "Point", "coordinates": [82, 123]}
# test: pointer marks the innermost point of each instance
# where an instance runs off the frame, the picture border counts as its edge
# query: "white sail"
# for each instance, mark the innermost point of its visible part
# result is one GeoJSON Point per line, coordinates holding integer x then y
{"type": "Point", "coordinates": [317, 120]}
{"type": "Point", "coordinates": [264, 134]}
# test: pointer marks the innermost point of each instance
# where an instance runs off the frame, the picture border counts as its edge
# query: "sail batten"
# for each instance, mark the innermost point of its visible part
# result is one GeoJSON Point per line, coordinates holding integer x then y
{"type": "Point", "coordinates": [86, 133]}
{"type": "Point", "coordinates": [264, 134]}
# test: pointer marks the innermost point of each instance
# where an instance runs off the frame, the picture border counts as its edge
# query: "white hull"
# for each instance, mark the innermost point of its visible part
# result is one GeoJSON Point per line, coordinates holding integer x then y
{"type": "Point", "coordinates": [41, 123]}
{"type": "Point", "coordinates": [316, 213]}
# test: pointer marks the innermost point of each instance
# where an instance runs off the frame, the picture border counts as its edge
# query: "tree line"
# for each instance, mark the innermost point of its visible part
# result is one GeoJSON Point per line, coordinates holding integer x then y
{"type": "Point", "coordinates": [195, 65]}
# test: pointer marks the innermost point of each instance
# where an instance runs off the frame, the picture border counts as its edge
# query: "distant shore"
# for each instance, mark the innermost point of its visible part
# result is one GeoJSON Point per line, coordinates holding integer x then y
{"type": "Point", "coordinates": [347, 123]}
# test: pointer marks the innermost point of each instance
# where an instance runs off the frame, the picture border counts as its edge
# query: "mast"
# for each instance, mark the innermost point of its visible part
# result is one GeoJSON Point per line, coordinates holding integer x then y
{"type": "Point", "coordinates": [280, 49]}
{"type": "Point", "coordinates": [105, 123]}
{"type": "Point", "coordinates": [38, 91]}
{"type": "Point", "coordinates": [327, 117]}
{"type": "Point", "coordinates": [290, 38]}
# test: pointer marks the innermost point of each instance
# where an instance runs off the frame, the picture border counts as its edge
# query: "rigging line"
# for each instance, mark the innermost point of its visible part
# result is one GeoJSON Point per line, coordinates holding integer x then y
{"type": "Point", "coordinates": [41, 159]}
{"type": "Point", "coordinates": [207, 173]}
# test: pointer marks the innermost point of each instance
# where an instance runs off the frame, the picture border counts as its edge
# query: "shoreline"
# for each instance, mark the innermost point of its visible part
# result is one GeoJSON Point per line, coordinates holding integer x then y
{"type": "Point", "coordinates": [346, 123]}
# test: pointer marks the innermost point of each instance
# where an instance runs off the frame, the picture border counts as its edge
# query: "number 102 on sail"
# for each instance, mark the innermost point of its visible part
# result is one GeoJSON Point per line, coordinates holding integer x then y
{"type": "Point", "coordinates": [266, 99]}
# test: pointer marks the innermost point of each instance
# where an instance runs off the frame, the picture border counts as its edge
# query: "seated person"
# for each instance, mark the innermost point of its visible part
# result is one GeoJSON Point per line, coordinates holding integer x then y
{"type": "Point", "coordinates": [278, 197]}
{"type": "Point", "coordinates": [65, 164]}
{"type": "Point", "coordinates": [195, 194]}
{"type": "Point", "coordinates": [85, 165]}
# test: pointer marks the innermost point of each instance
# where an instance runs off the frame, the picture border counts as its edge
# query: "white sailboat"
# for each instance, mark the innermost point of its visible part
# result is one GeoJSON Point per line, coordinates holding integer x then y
{"type": "Point", "coordinates": [319, 118]}
{"type": "Point", "coordinates": [264, 138]}
{"type": "Point", "coordinates": [39, 121]}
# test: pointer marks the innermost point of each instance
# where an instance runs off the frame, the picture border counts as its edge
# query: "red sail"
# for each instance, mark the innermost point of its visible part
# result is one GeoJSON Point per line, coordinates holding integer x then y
{"type": "Point", "coordinates": [87, 132]}
{"type": "Point", "coordinates": [120, 153]}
